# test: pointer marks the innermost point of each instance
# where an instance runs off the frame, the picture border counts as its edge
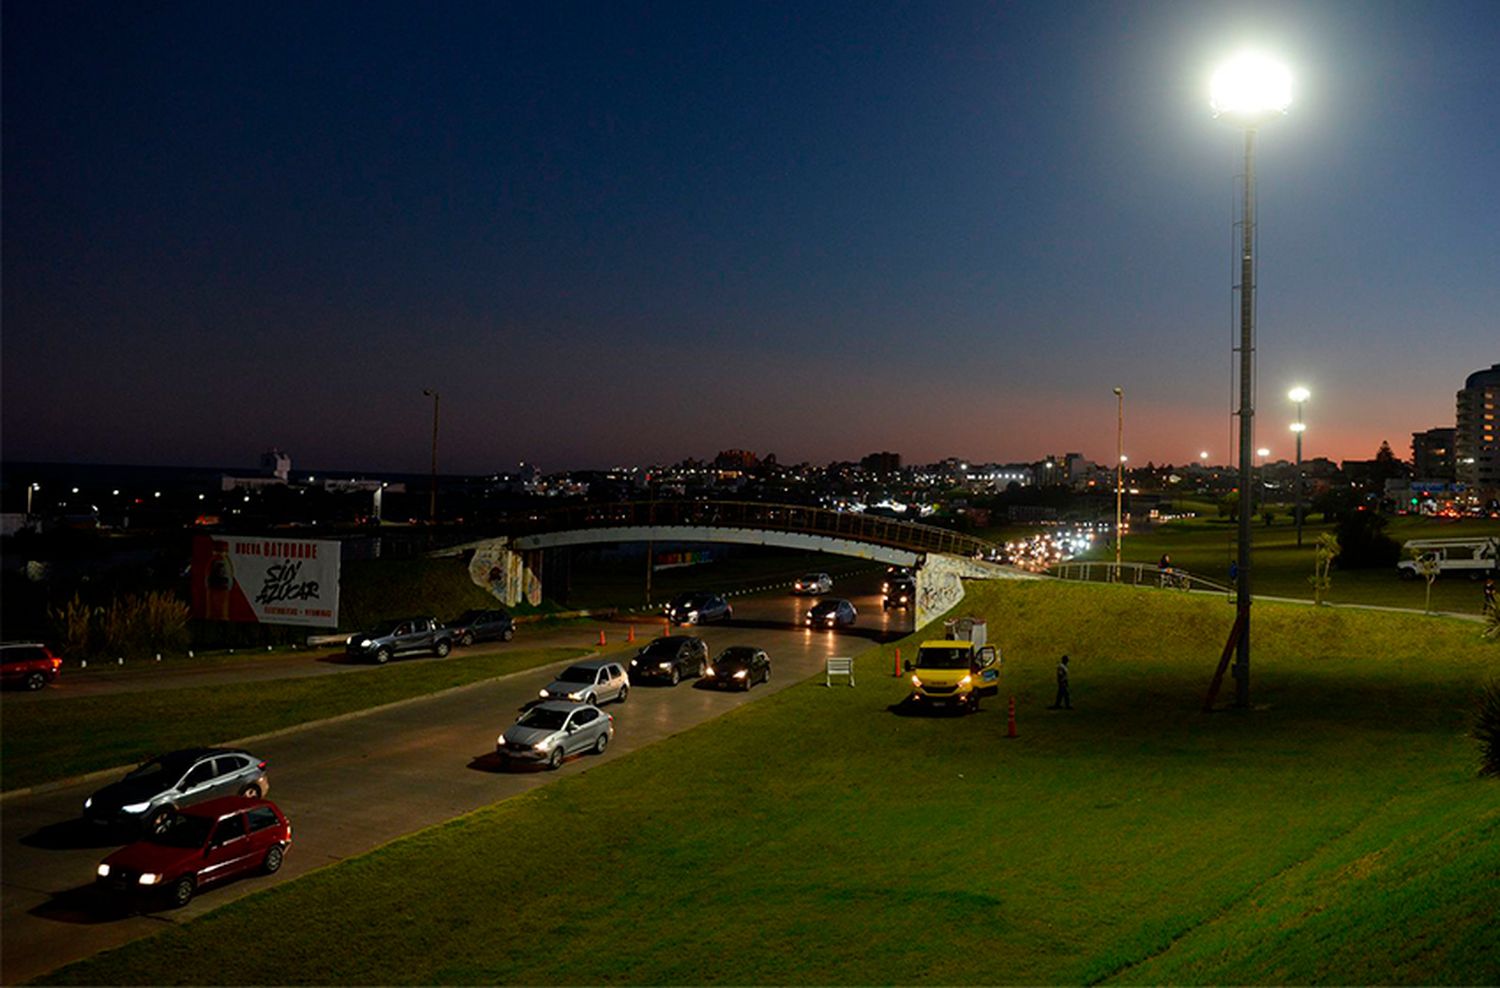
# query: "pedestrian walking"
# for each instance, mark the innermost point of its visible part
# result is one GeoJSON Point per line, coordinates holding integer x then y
{"type": "Point", "coordinates": [1489, 595]}
{"type": "Point", "coordinates": [1064, 699]}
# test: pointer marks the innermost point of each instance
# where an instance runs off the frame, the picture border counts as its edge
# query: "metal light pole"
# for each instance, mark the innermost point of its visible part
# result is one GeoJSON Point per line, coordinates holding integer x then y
{"type": "Point", "coordinates": [30, 490]}
{"type": "Point", "coordinates": [1247, 91]}
{"type": "Point", "coordinates": [1299, 395]}
{"type": "Point", "coordinates": [1119, 474]}
{"type": "Point", "coordinates": [432, 494]}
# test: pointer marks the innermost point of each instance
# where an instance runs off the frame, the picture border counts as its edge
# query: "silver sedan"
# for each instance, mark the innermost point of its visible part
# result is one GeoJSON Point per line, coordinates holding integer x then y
{"type": "Point", "coordinates": [550, 732]}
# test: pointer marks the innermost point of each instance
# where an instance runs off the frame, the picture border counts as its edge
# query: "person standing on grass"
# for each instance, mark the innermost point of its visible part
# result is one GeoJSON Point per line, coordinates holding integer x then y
{"type": "Point", "coordinates": [1489, 595]}
{"type": "Point", "coordinates": [1064, 699]}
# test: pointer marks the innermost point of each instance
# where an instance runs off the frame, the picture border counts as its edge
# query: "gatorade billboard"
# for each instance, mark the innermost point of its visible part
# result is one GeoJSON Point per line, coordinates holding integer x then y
{"type": "Point", "coordinates": [266, 581]}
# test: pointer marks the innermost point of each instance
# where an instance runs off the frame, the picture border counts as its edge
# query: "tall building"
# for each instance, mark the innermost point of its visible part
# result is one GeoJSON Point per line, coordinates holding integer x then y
{"type": "Point", "coordinates": [1476, 443]}
{"type": "Point", "coordinates": [1432, 454]}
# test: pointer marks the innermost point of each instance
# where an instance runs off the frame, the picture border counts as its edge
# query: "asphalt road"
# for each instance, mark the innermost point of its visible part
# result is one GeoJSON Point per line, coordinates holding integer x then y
{"type": "Point", "coordinates": [351, 785]}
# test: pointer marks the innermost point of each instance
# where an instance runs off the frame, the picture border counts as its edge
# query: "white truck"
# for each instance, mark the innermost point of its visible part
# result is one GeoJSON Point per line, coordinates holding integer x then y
{"type": "Point", "coordinates": [1476, 557]}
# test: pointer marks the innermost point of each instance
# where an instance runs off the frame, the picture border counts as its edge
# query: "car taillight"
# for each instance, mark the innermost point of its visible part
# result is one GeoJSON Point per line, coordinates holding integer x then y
{"type": "Point", "coordinates": [261, 766]}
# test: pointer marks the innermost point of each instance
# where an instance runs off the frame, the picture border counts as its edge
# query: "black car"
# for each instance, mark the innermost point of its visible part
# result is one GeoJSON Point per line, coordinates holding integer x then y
{"type": "Point", "coordinates": [899, 591]}
{"type": "Point", "coordinates": [147, 797]}
{"type": "Point", "coordinates": [739, 667]}
{"type": "Point", "coordinates": [698, 607]}
{"type": "Point", "coordinates": [831, 612]}
{"type": "Point", "coordinates": [673, 658]}
{"type": "Point", "coordinates": [482, 626]}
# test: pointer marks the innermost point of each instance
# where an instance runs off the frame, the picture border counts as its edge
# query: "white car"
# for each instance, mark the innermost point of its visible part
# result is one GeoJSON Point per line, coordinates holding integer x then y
{"type": "Point", "coordinates": [813, 584]}
{"type": "Point", "coordinates": [592, 681]}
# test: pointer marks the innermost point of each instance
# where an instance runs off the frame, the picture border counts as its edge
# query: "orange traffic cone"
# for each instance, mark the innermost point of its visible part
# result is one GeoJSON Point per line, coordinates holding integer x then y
{"type": "Point", "coordinates": [897, 671]}
{"type": "Point", "coordinates": [631, 637]}
{"type": "Point", "coordinates": [1011, 730]}
{"type": "Point", "coordinates": [601, 637]}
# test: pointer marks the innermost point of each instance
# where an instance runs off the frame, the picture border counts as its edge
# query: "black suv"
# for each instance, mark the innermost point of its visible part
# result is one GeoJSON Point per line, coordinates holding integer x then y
{"type": "Point", "coordinates": [899, 591]}
{"type": "Point", "coordinates": [673, 658]}
{"type": "Point", "coordinates": [482, 626]}
{"type": "Point", "coordinates": [401, 637]}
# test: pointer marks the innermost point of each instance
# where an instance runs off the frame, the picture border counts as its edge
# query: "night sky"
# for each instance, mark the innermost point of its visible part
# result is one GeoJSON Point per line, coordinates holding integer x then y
{"type": "Point", "coordinates": [633, 232]}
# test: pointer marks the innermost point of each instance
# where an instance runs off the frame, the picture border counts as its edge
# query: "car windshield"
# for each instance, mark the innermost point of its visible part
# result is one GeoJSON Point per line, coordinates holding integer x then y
{"type": "Point", "coordinates": [469, 617]}
{"type": "Point", "coordinates": [543, 719]}
{"type": "Point", "coordinates": [811, 577]}
{"type": "Point", "coordinates": [735, 655]}
{"type": "Point", "coordinates": [942, 658]}
{"type": "Point", "coordinates": [183, 831]}
{"type": "Point", "coordinates": [385, 628]}
{"type": "Point", "coordinates": [661, 647]}
{"type": "Point", "coordinates": [576, 674]}
{"type": "Point", "coordinates": [826, 607]}
{"type": "Point", "coordinates": [167, 768]}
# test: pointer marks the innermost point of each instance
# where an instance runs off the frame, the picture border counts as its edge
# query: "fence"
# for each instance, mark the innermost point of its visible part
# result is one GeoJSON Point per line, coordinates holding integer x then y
{"type": "Point", "coordinates": [1138, 575]}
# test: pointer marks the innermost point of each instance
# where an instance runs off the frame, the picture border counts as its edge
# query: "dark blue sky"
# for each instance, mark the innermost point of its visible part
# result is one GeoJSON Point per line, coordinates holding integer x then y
{"type": "Point", "coordinates": [624, 232]}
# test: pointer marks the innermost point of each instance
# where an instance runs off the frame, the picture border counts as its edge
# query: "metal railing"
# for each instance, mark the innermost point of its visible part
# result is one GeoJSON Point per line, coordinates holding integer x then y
{"type": "Point", "coordinates": [1137, 575]}
{"type": "Point", "coordinates": [856, 527]}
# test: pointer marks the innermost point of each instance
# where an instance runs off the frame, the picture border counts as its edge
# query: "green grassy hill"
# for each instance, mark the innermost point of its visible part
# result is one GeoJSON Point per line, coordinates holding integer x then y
{"type": "Point", "coordinates": [1335, 833]}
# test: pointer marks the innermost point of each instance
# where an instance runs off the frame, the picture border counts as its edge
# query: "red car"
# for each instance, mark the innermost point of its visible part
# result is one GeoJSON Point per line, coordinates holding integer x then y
{"type": "Point", "coordinates": [28, 664]}
{"type": "Point", "coordinates": [205, 843]}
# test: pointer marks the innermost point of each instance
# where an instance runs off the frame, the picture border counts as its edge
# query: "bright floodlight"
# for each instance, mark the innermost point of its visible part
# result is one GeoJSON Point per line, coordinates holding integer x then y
{"type": "Point", "coordinates": [1299, 395]}
{"type": "Point", "coordinates": [1299, 427]}
{"type": "Point", "coordinates": [1250, 87]}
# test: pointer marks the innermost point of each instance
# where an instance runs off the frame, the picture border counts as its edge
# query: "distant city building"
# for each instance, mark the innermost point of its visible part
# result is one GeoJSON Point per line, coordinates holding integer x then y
{"type": "Point", "coordinates": [275, 468]}
{"type": "Point", "coordinates": [1432, 456]}
{"type": "Point", "coordinates": [736, 459]}
{"type": "Point", "coordinates": [881, 463]}
{"type": "Point", "coordinates": [1475, 446]}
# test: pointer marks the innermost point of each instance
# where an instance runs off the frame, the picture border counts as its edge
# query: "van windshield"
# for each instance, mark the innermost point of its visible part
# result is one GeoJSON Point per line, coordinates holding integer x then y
{"type": "Point", "coordinates": [942, 658]}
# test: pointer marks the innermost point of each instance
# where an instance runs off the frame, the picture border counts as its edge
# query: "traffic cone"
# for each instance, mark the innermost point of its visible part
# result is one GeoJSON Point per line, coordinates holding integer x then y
{"type": "Point", "coordinates": [631, 637]}
{"type": "Point", "coordinates": [1010, 731]}
{"type": "Point", "coordinates": [897, 671]}
{"type": "Point", "coordinates": [601, 638]}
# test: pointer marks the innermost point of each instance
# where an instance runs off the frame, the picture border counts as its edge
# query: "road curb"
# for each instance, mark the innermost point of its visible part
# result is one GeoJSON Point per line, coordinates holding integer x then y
{"type": "Point", "coordinates": [97, 775]}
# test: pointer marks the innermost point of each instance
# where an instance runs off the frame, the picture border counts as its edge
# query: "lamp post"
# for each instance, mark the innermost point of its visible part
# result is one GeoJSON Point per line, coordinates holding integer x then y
{"type": "Point", "coordinates": [30, 490]}
{"type": "Point", "coordinates": [1119, 474]}
{"type": "Point", "coordinates": [1247, 91]}
{"type": "Point", "coordinates": [432, 494]}
{"type": "Point", "coordinates": [1299, 395]}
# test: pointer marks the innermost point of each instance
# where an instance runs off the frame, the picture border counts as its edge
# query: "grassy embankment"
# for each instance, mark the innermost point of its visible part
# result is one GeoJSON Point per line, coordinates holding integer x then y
{"type": "Point", "coordinates": [1337, 832]}
{"type": "Point", "coordinates": [1206, 546]}
{"type": "Point", "coordinates": [59, 738]}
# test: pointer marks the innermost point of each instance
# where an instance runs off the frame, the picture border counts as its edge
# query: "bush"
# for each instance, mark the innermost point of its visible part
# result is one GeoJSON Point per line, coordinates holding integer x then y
{"type": "Point", "coordinates": [1363, 542]}
{"type": "Point", "coordinates": [73, 627]}
{"type": "Point", "coordinates": [1487, 729]}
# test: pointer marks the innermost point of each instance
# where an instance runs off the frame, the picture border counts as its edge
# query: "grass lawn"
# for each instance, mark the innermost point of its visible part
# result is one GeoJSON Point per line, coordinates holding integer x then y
{"type": "Point", "coordinates": [57, 739]}
{"type": "Point", "coordinates": [1336, 833]}
{"type": "Point", "coordinates": [1207, 546]}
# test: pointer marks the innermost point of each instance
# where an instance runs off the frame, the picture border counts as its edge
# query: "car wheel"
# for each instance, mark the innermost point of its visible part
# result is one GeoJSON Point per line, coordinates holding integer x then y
{"type": "Point", "coordinates": [442, 648]}
{"type": "Point", "coordinates": [676, 676]}
{"type": "Point", "coordinates": [601, 744]}
{"type": "Point", "coordinates": [35, 681]}
{"type": "Point", "coordinates": [272, 864]}
{"type": "Point", "coordinates": [466, 639]}
{"type": "Point", "coordinates": [554, 760]}
{"type": "Point", "coordinates": [507, 634]}
{"type": "Point", "coordinates": [251, 791]}
{"type": "Point", "coordinates": [624, 692]}
{"type": "Point", "coordinates": [159, 820]}
{"type": "Point", "coordinates": [747, 685]}
{"type": "Point", "coordinates": [767, 677]}
{"type": "Point", "coordinates": [182, 891]}
{"type": "Point", "coordinates": [382, 655]}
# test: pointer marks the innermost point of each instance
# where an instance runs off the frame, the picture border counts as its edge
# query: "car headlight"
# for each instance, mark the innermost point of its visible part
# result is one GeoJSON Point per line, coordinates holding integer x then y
{"type": "Point", "coordinates": [708, 670]}
{"type": "Point", "coordinates": [136, 807]}
{"type": "Point", "coordinates": [692, 615]}
{"type": "Point", "coordinates": [575, 696]}
{"type": "Point", "coordinates": [539, 746]}
{"type": "Point", "coordinates": [665, 665]}
{"type": "Point", "coordinates": [543, 694]}
{"type": "Point", "coordinates": [88, 803]}
{"type": "Point", "coordinates": [966, 681]}
{"type": "Point", "coordinates": [916, 681]}
{"type": "Point", "coordinates": [102, 871]}
{"type": "Point", "coordinates": [740, 675]}
{"type": "Point", "coordinates": [149, 878]}
{"type": "Point", "coordinates": [633, 663]}
{"type": "Point", "coordinates": [500, 741]}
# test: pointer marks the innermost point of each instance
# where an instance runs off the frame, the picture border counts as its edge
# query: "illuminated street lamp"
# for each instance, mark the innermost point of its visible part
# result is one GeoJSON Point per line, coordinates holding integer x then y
{"type": "Point", "coordinates": [1247, 91]}
{"type": "Point", "coordinates": [30, 490]}
{"type": "Point", "coordinates": [432, 494]}
{"type": "Point", "coordinates": [1299, 395]}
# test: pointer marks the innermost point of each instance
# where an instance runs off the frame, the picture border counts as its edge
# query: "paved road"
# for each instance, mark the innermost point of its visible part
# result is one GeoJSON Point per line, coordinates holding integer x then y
{"type": "Point", "coordinates": [352, 785]}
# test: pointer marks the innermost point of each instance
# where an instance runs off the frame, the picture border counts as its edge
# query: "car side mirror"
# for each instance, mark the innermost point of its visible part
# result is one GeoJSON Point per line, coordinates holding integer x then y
{"type": "Point", "coordinates": [572, 728]}
{"type": "Point", "coordinates": [907, 665]}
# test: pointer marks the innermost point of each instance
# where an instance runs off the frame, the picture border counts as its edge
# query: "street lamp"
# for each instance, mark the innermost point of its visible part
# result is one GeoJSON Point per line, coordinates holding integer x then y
{"type": "Point", "coordinates": [30, 490]}
{"type": "Point", "coordinates": [1299, 395]}
{"type": "Point", "coordinates": [1245, 92]}
{"type": "Point", "coordinates": [432, 494]}
{"type": "Point", "coordinates": [1119, 473]}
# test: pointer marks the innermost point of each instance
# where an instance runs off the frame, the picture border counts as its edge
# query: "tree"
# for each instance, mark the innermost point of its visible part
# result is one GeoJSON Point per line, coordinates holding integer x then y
{"type": "Point", "coordinates": [1386, 467]}
{"type": "Point", "coordinates": [1427, 565]}
{"type": "Point", "coordinates": [1324, 553]}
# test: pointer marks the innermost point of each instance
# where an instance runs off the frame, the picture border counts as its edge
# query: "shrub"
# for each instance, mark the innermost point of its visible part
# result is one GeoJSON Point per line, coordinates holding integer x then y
{"type": "Point", "coordinates": [1364, 542]}
{"type": "Point", "coordinates": [1487, 729]}
{"type": "Point", "coordinates": [122, 629]}
{"type": "Point", "coordinates": [73, 627]}
{"type": "Point", "coordinates": [165, 620]}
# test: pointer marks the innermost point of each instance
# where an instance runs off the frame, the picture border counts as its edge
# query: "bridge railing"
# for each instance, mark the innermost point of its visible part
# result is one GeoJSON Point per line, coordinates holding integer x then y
{"type": "Point", "coordinates": [1137, 575]}
{"type": "Point", "coordinates": [751, 514]}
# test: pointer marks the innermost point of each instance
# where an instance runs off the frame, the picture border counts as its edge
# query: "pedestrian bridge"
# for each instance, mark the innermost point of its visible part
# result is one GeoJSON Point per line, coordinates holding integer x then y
{"type": "Point", "coordinates": [509, 566]}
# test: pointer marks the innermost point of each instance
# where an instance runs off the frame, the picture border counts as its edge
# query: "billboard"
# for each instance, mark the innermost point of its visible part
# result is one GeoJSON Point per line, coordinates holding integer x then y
{"type": "Point", "coordinates": [266, 580]}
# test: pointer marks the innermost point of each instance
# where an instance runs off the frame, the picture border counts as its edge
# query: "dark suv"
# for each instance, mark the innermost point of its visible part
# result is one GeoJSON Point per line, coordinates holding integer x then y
{"type": "Point", "coordinates": [482, 626]}
{"type": "Point", "coordinates": [401, 637]}
{"type": "Point", "coordinates": [28, 664]}
{"type": "Point", "coordinates": [673, 658]}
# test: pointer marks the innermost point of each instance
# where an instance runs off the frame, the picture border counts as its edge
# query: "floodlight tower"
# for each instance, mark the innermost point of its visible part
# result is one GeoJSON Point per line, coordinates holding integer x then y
{"type": "Point", "coordinates": [1247, 91]}
{"type": "Point", "coordinates": [1299, 395]}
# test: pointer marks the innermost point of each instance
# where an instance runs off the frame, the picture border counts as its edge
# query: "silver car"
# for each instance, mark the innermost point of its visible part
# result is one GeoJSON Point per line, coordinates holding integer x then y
{"type": "Point", "coordinates": [591, 681]}
{"type": "Point", "coordinates": [148, 796]}
{"type": "Point", "coordinates": [550, 732]}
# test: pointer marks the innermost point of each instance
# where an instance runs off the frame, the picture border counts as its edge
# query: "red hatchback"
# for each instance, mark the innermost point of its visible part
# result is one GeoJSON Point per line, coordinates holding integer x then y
{"type": "Point", "coordinates": [28, 664]}
{"type": "Point", "coordinates": [205, 843]}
